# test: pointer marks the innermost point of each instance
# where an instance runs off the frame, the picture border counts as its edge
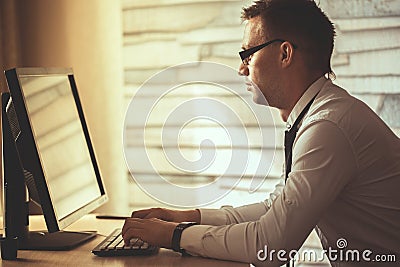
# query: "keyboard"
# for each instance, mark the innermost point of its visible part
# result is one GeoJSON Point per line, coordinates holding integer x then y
{"type": "Point", "coordinates": [113, 245]}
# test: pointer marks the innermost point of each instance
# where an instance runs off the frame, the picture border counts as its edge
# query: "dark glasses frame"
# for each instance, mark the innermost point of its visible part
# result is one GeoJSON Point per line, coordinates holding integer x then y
{"type": "Point", "coordinates": [245, 54]}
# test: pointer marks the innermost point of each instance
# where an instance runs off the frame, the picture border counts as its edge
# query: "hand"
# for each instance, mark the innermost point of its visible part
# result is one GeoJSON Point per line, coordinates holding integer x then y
{"type": "Point", "coordinates": [154, 231]}
{"type": "Point", "coordinates": [168, 215]}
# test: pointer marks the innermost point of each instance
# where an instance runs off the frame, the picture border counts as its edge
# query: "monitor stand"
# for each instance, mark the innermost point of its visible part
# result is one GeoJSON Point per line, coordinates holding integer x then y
{"type": "Point", "coordinates": [62, 240]}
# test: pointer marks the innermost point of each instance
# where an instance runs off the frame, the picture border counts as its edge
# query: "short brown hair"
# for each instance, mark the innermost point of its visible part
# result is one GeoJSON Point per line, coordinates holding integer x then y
{"type": "Point", "coordinates": [301, 22]}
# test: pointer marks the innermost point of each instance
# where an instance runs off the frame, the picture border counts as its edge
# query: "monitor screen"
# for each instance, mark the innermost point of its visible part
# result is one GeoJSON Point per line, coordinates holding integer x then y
{"type": "Point", "coordinates": [53, 143]}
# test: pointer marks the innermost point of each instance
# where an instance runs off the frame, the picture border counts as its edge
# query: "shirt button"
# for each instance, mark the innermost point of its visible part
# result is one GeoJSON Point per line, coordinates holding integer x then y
{"type": "Point", "coordinates": [288, 126]}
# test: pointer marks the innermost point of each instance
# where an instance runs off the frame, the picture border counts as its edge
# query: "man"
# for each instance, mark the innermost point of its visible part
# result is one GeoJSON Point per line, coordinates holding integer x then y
{"type": "Point", "coordinates": [342, 161]}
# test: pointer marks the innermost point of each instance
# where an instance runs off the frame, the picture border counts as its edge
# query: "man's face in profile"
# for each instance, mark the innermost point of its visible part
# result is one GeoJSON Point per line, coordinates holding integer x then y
{"type": "Point", "coordinates": [261, 72]}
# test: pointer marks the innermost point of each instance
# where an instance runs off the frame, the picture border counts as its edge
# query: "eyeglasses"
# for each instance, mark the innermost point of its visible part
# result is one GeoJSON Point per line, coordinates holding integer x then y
{"type": "Point", "coordinates": [245, 54]}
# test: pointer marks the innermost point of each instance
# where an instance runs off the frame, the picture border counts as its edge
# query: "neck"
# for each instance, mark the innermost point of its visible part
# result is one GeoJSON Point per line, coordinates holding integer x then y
{"type": "Point", "coordinates": [285, 114]}
{"type": "Point", "coordinates": [297, 90]}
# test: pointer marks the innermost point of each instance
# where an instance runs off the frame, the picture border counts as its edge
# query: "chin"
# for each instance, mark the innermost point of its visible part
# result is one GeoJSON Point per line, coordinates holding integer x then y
{"type": "Point", "coordinates": [258, 97]}
{"type": "Point", "coordinates": [260, 100]}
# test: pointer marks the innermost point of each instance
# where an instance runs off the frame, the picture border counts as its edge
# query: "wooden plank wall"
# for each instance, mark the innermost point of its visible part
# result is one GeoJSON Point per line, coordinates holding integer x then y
{"type": "Point", "coordinates": [163, 33]}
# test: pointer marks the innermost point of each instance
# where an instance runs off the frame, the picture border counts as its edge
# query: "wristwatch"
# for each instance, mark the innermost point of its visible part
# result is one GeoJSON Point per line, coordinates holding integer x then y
{"type": "Point", "coordinates": [176, 237]}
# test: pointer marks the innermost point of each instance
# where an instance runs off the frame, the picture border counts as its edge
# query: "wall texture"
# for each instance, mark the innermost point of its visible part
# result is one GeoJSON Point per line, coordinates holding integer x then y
{"type": "Point", "coordinates": [368, 44]}
{"type": "Point", "coordinates": [159, 34]}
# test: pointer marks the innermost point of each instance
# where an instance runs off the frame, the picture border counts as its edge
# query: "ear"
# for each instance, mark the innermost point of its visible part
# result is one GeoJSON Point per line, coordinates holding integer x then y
{"type": "Point", "coordinates": [287, 54]}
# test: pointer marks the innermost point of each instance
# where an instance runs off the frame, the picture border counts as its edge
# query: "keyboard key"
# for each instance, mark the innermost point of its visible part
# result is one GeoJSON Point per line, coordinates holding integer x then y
{"type": "Point", "coordinates": [113, 245]}
{"type": "Point", "coordinates": [116, 241]}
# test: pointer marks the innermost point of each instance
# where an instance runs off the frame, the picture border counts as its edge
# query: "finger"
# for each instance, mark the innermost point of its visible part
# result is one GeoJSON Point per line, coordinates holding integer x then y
{"type": "Point", "coordinates": [132, 222]}
{"type": "Point", "coordinates": [132, 233]}
{"type": "Point", "coordinates": [140, 213]}
{"type": "Point", "coordinates": [155, 213]}
{"type": "Point", "coordinates": [159, 213]}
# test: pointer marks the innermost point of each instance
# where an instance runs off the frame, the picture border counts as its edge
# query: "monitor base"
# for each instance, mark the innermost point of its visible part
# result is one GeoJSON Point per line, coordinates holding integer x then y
{"type": "Point", "coordinates": [62, 240]}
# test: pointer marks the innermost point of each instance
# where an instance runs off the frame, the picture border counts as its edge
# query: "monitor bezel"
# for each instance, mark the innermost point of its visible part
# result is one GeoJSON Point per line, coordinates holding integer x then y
{"type": "Point", "coordinates": [27, 145]}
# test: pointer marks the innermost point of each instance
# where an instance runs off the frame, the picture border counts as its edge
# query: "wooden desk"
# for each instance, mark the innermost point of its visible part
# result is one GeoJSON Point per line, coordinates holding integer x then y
{"type": "Point", "coordinates": [82, 256]}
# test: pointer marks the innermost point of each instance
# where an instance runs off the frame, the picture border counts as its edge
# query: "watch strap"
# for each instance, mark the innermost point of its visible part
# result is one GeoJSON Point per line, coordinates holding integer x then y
{"type": "Point", "coordinates": [176, 237]}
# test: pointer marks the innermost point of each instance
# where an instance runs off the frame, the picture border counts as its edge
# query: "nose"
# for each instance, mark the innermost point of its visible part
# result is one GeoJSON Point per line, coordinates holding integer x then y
{"type": "Point", "coordinates": [243, 70]}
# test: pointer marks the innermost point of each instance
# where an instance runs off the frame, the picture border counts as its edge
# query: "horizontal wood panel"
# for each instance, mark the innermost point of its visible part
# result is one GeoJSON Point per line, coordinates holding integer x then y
{"type": "Point", "coordinates": [370, 84]}
{"type": "Point", "coordinates": [372, 64]}
{"type": "Point", "coordinates": [374, 101]}
{"type": "Point", "coordinates": [176, 88]}
{"type": "Point", "coordinates": [186, 72]}
{"type": "Point", "coordinates": [246, 162]}
{"type": "Point", "coordinates": [191, 137]}
{"type": "Point", "coordinates": [163, 54]}
{"type": "Point", "coordinates": [372, 41]}
{"type": "Point", "coordinates": [214, 35]}
{"type": "Point", "coordinates": [169, 18]}
{"type": "Point", "coordinates": [227, 111]}
{"type": "Point", "coordinates": [367, 24]}
{"type": "Point", "coordinates": [360, 8]}
{"type": "Point", "coordinates": [126, 4]}
{"type": "Point", "coordinates": [240, 195]}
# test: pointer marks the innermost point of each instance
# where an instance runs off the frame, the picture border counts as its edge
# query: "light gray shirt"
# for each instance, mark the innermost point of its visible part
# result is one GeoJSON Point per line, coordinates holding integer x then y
{"type": "Point", "coordinates": [345, 180]}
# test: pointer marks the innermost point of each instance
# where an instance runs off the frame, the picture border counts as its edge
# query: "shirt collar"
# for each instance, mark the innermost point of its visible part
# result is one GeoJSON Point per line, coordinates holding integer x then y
{"type": "Point", "coordinates": [311, 91]}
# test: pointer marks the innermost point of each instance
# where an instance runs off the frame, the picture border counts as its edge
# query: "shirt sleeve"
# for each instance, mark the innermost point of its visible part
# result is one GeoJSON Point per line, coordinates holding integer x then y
{"type": "Point", "coordinates": [228, 215]}
{"type": "Point", "coordinates": [323, 163]}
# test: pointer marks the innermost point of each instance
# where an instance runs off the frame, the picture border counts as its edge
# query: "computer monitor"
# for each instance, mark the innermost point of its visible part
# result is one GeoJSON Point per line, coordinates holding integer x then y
{"type": "Point", "coordinates": [47, 147]}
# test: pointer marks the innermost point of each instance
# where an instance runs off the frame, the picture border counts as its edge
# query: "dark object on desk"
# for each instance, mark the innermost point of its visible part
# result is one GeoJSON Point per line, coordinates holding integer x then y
{"type": "Point", "coordinates": [111, 217]}
{"type": "Point", "coordinates": [62, 240]}
{"type": "Point", "coordinates": [9, 248]}
{"type": "Point", "coordinates": [113, 245]}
